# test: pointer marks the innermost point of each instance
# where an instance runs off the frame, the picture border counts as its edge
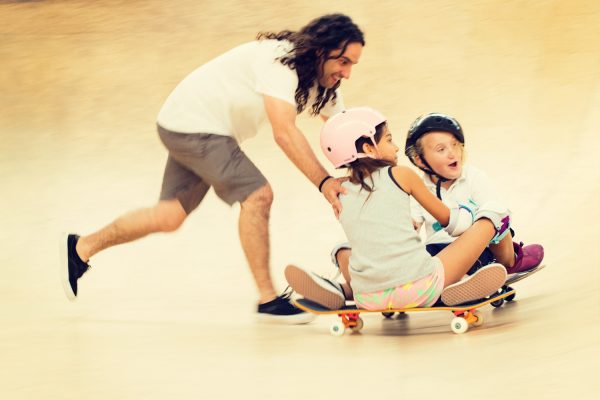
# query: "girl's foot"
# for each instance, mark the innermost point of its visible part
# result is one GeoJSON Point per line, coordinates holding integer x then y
{"type": "Point", "coordinates": [527, 257]}
{"type": "Point", "coordinates": [485, 282]}
{"type": "Point", "coordinates": [315, 288]}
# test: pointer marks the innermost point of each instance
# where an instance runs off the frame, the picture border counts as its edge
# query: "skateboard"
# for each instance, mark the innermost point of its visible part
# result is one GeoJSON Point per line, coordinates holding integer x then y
{"type": "Point", "coordinates": [465, 314]}
{"type": "Point", "coordinates": [512, 279]}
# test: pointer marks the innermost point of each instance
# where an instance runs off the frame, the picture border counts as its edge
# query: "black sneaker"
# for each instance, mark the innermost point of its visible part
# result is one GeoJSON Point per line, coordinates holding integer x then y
{"type": "Point", "coordinates": [281, 310]}
{"type": "Point", "coordinates": [71, 266]}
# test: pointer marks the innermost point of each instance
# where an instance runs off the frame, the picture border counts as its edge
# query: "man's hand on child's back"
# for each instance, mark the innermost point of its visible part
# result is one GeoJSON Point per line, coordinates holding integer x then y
{"type": "Point", "coordinates": [331, 189]}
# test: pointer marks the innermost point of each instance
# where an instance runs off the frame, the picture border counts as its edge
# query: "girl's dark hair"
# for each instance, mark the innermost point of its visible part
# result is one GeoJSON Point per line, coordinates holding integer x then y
{"type": "Point", "coordinates": [312, 46]}
{"type": "Point", "coordinates": [362, 168]}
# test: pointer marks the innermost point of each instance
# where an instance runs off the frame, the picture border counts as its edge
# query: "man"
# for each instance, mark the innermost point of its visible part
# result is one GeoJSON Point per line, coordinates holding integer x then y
{"type": "Point", "coordinates": [201, 123]}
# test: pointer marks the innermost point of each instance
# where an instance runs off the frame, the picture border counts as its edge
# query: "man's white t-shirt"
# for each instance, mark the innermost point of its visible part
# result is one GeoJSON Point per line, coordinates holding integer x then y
{"type": "Point", "coordinates": [225, 95]}
{"type": "Point", "coordinates": [472, 185]}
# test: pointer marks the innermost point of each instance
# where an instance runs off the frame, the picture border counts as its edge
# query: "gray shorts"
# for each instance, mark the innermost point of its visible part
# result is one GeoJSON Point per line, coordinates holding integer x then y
{"type": "Point", "coordinates": [198, 161]}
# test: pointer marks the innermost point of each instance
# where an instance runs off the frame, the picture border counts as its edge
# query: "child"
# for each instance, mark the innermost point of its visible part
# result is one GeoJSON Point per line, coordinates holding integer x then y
{"type": "Point", "coordinates": [435, 144]}
{"type": "Point", "coordinates": [389, 266]}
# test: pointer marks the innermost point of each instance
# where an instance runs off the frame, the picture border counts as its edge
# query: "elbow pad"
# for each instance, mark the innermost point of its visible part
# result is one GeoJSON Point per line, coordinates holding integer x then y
{"type": "Point", "coordinates": [461, 219]}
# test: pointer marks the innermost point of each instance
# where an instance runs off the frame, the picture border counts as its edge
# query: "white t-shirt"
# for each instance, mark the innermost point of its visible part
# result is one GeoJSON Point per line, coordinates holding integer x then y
{"type": "Point", "coordinates": [225, 95]}
{"type": "Point", "coordinates": [473, 185]}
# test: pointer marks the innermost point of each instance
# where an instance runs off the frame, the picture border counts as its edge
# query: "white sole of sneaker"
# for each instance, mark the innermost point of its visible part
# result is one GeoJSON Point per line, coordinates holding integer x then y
{"type": "Point", "coordinates": [297, 319]}
{"type": "Point", "coordinates": [63, 267]}
{"type": "Point", "coordinates": [303, 283]}
{"type": "Point", "coordinates": [483, 283]}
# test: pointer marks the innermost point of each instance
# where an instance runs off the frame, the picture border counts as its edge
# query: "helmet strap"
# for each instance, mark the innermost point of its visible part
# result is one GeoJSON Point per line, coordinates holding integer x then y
{"type": "Point", "coordinates": [438, 189]}
{"type": "Point", "coordinates": [440, 179]}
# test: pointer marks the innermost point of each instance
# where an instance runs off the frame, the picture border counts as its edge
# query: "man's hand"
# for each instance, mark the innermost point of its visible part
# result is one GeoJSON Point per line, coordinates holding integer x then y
{"type": "Point", "coordinates": [331, 189]}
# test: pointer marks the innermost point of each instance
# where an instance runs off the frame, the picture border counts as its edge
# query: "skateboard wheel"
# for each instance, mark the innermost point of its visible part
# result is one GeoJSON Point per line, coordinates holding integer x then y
{"type": "Point", "coordinates": [337, 328]}
{"type": "Point", "coordinates": [359, 325]}
{"type": "Point", "coordinates": [459, 325]}
{"type": "Point", "coordinates": [387, 314]}
{"type": "Point", "coordinates": [479, 318]}
{"type": "Point", "coordinates": [510, 297]}
{"type": "Point", "coordinates": [497, 303]}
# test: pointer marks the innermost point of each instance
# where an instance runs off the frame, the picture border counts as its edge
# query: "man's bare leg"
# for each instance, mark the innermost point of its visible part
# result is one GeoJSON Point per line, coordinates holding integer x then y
{"type": "Point", "coordinates": [166, 216]}
{"type": "Point", "coordinates": [75, 251]}
{"type": "Point", "coordinates": [254, 237]}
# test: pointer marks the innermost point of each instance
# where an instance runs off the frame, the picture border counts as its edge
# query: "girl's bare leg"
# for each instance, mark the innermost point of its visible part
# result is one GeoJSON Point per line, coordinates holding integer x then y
{"type": "Point", "coordinates": [343, 258]}
{"type": "Point", "coordinates": [460, 255]}
{"type": "Point", "coordinates": [504, 251]}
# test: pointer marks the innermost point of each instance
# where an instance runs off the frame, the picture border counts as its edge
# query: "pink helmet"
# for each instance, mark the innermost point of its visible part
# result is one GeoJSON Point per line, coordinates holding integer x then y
{"type": "Point", "coordinates": [340, 132]}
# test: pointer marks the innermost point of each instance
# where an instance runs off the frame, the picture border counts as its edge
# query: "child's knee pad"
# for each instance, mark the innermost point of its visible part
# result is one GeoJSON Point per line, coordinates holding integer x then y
{"type": "Point", "coordinates": [499, 216]}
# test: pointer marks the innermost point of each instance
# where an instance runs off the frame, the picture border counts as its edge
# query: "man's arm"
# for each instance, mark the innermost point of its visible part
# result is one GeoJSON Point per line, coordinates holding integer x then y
{"type": "Point", "coordinates": [282, 116]}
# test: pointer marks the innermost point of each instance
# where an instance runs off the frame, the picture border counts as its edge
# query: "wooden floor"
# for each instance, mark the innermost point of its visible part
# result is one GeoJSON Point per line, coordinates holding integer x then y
{"type": "Point", "coordinates": [172, 316]}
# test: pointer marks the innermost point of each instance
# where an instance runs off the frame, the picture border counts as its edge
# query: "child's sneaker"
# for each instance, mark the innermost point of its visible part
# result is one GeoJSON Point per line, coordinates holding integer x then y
{"type": "Point", "coordinates": [527, 257]}
{"type": "Point", "coordinates": [281, 310]}
{"type": "Point", "coordinates": [485, 282]}
{"type": "Point", "coordinates": [327, 293]}
{"type": "Point", "coordinates": [71, 266]}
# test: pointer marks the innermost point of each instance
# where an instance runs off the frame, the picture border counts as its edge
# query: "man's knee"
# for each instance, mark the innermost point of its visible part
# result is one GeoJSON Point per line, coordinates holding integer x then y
{"type": "Point", "coordinates": [169, 215]}
{"type": "Point", "coordinates": [261, 198]}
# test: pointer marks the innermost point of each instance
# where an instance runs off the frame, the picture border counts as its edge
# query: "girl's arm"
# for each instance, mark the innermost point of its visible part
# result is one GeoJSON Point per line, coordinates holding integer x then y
{"type": "Point", "coordinates": [410, 182]}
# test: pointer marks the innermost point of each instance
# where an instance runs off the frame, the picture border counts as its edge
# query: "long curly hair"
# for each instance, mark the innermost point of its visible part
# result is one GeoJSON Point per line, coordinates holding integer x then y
{"type": "Point", "coordinates": [312, 46]}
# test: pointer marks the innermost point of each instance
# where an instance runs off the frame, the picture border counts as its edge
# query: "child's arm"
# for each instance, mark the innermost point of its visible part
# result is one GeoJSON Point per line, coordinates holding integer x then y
{"type": "Point", "coordinates": [410, 182]}
{"type": "Point", "coordinates": [455, 221]}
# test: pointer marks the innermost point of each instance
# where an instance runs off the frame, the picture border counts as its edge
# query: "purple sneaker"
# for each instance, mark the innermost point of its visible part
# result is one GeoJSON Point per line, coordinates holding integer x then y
{"type": "Point", "coordinates": [528, 257]}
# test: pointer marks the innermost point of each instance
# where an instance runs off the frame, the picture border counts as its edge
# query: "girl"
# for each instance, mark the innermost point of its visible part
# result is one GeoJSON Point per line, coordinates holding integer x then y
{"type": "Point", "coordinates": [389, 266]}
{"type": "Point", "coordinates": [435, 144]}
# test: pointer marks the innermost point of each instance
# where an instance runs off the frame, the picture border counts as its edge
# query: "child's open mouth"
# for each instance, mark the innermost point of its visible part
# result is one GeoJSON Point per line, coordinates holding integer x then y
{"type": "Point", "coordinates": [454, 164]}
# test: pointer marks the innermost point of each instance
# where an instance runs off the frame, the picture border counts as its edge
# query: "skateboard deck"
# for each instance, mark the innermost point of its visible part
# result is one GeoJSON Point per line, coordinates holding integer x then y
{"type": "Point", "coordinates": [465, 314]}
{"type": "Point", "coordinates": [514, 278]}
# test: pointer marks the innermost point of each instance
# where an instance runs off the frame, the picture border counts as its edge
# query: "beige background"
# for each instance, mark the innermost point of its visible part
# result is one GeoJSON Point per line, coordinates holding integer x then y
{"type": "Point", "coordinates": [172, 316]}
